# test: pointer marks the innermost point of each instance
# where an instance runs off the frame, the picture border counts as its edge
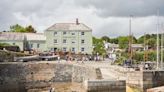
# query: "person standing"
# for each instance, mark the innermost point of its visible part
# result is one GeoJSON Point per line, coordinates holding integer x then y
{"type": "Point", "coordinates": [52, 90]}
{"type": "Point", "coordinates": [58, 59]}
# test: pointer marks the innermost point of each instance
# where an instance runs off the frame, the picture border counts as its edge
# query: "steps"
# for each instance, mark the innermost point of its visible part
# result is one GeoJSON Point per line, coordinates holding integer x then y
{"type": "Point", "coordinates": [99, 74]}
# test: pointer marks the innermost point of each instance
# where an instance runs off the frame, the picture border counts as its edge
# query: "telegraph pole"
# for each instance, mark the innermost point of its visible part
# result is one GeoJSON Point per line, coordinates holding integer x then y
{"type": "Point", "coordinates": [130, 39]}
{"type": "Point", "coordinates": [162, 50]}
{"type": "Point", "coordinates": [157, 40]}
{"type": "Point", "coordinates": [145, 48]}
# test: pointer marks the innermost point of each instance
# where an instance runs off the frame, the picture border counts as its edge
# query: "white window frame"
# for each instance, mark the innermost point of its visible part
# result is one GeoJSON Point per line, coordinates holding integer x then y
{"type": "Point", "coordinates": [64, 49]}
{"type": "Point", "coordinates": [73, 49]}
{"type": "Point", "coordinates": [73, 33]}
{"type": "Point", "coordinates": [82, 41]}
{"type": "Point", "coordinates": [64, 40]}
{"type": "Point", "coordinates": [38, 45]}
{"type": "Point", "coordinates": [73, 41]}
{"type": "Point", "coordinates": [31, 45]}
{"type": "Point", "coordinates": [82, 49]}
{"type": "Point", "coordinates": [55, 41]}
{"type": "Point", "coordinates": [55, 33]}
{"type": "Point", "coordinates": [64, 33]}
{"type": "Point", "coordinates": [82, 33]}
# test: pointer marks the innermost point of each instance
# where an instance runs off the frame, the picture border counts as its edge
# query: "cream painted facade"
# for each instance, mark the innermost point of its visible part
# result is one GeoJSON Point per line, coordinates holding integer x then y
{"type": "Point", "coordinates": [67, 37]}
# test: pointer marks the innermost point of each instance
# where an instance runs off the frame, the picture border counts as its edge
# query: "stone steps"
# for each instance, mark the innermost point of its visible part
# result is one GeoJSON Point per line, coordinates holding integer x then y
{"type": "Point", "coordinates": [99, 74]}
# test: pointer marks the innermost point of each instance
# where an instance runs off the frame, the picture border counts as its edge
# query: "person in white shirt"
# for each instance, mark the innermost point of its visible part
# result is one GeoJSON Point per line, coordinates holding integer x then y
{"type": "Point", "coordinates": [58, 59]}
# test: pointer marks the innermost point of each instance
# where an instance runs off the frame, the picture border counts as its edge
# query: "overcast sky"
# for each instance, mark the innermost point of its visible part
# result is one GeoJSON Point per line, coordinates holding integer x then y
{"type": "Point", "coordinates": [105, 17]}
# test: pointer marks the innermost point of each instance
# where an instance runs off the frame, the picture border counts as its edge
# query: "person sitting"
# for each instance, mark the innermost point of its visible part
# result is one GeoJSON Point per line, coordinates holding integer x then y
{"type": "Point", "coordinates": [146, 66]}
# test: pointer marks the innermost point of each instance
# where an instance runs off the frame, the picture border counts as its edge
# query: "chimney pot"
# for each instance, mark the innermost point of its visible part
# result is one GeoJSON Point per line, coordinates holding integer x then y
{"type": "Point", "coordinates": [77, 21]}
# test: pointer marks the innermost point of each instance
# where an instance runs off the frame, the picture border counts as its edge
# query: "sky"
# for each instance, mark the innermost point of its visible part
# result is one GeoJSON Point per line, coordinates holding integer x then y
{"type": "Point", "coordinates": [105, 17]}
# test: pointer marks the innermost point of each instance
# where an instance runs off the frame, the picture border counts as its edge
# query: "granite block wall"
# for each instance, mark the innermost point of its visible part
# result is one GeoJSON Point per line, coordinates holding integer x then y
{"type": "Point", "coordinates": [19, 77]}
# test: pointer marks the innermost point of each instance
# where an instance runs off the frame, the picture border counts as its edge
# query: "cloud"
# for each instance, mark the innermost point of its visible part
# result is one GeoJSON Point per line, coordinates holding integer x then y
{"type": "Point", "coordinates": [105, 17]}
{"type": "Point", "coordinates": [13, 10]}
{"type": "Point", "coordinates": [124, 8]}
{"type": "Point", "coordinates": [114, 27]}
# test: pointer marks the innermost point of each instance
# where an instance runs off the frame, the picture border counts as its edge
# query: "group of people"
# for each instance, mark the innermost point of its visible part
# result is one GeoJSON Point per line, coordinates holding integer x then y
{"type": "Point", "coordinates": [78, 59]}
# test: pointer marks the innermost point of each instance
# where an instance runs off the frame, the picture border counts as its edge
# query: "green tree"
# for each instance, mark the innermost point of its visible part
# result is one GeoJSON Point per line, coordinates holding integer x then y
{"type": "Point", "coordinates": [4, 44]}
{"type": "Point", "coordinates": [114, 40]}
{"type": "Point", "coordinates": [152, 55]}
{"type": "Point", "coordinates": [134, 40]}
{"type": "Point", "coordinates": [138, 56]}
{"type": "Point", "coordinates": [98, 46]}
{"type": "Point", "coordinates": [123, 42]}
{"type": "Point", "coordinates": [146, 38]}
{"type": "Point", "coordinates": [140, 40]}
{"type": "Point", "coordinates": [151, 42]}
{"type": "Point", "coordinates": [17, 28]}
{"type": "Point", "coordinates": [30, 29]}
{"type": "Point", "coordinates": [105, 38]}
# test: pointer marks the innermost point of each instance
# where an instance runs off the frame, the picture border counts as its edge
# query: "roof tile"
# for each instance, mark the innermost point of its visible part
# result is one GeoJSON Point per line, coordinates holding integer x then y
{"type": "Point", "coordinates": [69, 26]}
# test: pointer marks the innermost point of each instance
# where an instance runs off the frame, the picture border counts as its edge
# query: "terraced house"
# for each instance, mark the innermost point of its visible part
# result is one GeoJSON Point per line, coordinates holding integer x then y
{"type": "Point", "coordinates": [67, 37]}
{"type": "Point", "coordinates": [75, 37]}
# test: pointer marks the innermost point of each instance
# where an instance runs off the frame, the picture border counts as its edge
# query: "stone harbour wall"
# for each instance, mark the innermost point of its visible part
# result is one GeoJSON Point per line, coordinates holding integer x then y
{"type": "Point", "coordinates": [135, 79]}
{"type": "Point", "coordinates": [82, 73]}
{"type": "Point", "coordinates": [19, 77]}
{"type": "Point", "coordinates": [144, 80]}
{"type": "Point", "coordinates": [152, 79]}
{"type": "Point", "coordinates": [8, 56]}
{"type": "Point", "coordinates": [105, 85]}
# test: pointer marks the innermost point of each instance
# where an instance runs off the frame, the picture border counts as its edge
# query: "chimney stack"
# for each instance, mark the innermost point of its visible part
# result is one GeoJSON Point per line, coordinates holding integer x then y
{"type": "Point", "coordinates": [77, 21]}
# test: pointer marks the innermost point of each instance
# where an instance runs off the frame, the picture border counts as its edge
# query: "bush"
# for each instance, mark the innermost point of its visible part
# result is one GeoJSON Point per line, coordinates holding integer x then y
{"type": "Point", "coordinates": [4, 44]}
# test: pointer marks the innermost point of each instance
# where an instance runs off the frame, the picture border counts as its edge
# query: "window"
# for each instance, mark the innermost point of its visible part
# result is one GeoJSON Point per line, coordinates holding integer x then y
{"type": "Point", "coordinates": [82, 41]}
{"type": "Point", "coordinates": [31, 45]}
{"type": "Point", "coordinates": [82, 49]}
{"type": "Point", "coordinates": [38, 45]}
{"type": "Point", "coordinates": [64, 41]}
{"type": "Point", "coordinates": [82, 33]}
{"type": "Point", "coordinates": [73, 49]}
{"type": "Point", "coordinates": [64, 33]}
{"type": "Point", "coordinates": [55, 33]}
{"type": "Point", "coordinates": [13, 43]}
{"type": "Point", "coordinates": [73, 33]}
{"type": "Point", "coordinates": [55, 41]}
{"type": "Point", "coordinates": [64, 49]}
{"type": "Point", "coordinates": [73, 41]}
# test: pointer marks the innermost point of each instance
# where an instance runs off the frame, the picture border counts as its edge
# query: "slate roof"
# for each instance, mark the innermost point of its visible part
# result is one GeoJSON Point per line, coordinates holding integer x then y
{"type": "Point", "coordinates": [21, 36]}
{"type": "Point", "coordinates": [11, 36]}
{"type": "Point", "coordinates": [35, 36]}
{"type": "Point", "coordinates": [69, 27]}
